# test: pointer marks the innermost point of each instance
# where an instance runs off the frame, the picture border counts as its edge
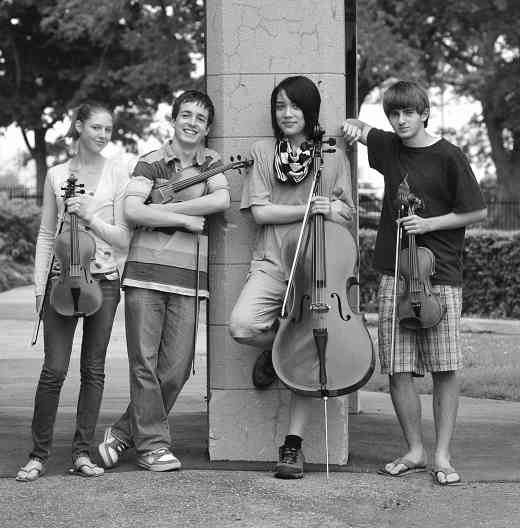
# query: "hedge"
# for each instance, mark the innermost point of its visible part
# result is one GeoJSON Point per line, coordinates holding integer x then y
{"type": "Point", "coordinates": [491, 286]}
{"type": "Point", "coordinates": [491, 282]}
{"type": "Point", "coordinates": [19, 223]}
{"type": "Point", "coordinates": [491, 261]}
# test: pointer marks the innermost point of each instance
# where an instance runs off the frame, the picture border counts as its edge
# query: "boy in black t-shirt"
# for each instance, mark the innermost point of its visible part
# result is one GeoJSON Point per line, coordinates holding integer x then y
{"type": "Point", "coordinates": [437, 173]}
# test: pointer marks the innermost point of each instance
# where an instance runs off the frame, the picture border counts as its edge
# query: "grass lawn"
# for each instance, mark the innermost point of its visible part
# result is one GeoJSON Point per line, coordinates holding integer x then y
{"type": "Point", "coordinates": [491, 368]}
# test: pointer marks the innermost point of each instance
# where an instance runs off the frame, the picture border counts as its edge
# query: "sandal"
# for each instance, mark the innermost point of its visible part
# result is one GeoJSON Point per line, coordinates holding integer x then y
{"type": "Point", "coordinates": [402, 466]}
{"type": "Point", "coordinates": [83, 466]}
{"type": "Point", "coordinates": [31, 471]}
{"type": "Point", "coordinates": [446, 476]}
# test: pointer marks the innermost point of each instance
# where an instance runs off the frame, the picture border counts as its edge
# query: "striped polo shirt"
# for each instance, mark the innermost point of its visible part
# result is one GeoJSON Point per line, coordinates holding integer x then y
{"type": "Point", "coordinates": [159, 259]}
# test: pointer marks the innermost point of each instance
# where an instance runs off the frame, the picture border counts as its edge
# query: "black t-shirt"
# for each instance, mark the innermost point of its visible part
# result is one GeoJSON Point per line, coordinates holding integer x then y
{"type": "Point", "coordinates": [441, 177]}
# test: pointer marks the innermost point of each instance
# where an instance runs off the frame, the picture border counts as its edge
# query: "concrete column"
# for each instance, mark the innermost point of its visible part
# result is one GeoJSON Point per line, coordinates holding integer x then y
{"type": "Point", "coordinates": [251, 46]}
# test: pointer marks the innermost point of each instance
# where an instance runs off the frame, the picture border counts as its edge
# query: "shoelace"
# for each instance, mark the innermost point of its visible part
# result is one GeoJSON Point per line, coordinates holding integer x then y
{"type": "Point", "coordinates": [120, 447]}
{"type": "Point", "coordinates": [289, 454]}
{"type": "Point", "coordinates": [118, 444]}
{"type": "Point", "coordinates": [161, 451]}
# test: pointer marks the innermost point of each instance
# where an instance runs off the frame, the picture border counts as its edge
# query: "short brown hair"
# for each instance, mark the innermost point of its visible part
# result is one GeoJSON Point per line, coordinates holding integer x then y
{"type": "Point", "coordinates": [194, 96]}
{"type": "Point", "coordinates": [406, 94]}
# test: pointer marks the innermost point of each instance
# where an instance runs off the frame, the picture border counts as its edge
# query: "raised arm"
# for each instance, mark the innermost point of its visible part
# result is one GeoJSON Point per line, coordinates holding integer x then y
{"type": "Point", "coordinates": [355, 130]}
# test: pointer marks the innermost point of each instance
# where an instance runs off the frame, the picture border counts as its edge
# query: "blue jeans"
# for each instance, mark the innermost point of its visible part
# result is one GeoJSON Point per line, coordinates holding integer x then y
{"type": "Point", "coordinates": [58, 337]}
{"type": "Point", "coordinates": [159, 337]}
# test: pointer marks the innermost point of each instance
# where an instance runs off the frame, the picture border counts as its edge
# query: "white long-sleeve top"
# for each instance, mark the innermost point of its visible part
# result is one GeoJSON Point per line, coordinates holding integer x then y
{"type": "Point", "coordinates": [108, 226]}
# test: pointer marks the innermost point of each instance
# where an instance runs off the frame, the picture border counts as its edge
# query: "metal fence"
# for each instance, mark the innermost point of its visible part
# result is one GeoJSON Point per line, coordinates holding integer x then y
{"type": "Point", "coordinates": [18, 191]}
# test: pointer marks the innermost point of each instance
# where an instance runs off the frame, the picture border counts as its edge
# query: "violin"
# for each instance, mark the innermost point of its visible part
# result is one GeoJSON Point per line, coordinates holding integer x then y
{"type": "Point", "coordinates": [322, 347]}
{"type": "Point", "coordinates": [189, 177]}
{"type": "Point", "coordinates": [418, 306]}
{"type": "Point", "coordinates": [75, 293]}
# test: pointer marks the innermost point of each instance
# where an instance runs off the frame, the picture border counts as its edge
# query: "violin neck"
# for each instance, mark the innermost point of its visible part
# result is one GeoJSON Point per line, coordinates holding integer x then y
{"type": "Point", "coordinates": [176, 186]}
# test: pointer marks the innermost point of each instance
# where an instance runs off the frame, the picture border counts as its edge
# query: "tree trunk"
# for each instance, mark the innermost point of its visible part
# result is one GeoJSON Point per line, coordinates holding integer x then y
{"type": "Point", "coordinates": [507, 165]}
{"type": "Point", "coordinates": [508, 180]}
{"type": "Point", "coordinates": [40, 157]}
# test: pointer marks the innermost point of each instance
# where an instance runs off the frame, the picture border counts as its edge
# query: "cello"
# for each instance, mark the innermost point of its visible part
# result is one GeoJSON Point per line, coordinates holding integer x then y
{"type": "Point", "coordinates": [322, 348]}
{"type": "Point", "coordinates": [75, 293]}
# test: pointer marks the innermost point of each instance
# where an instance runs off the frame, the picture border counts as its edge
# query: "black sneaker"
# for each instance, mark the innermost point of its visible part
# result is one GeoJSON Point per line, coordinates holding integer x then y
{"type": "Point", "coordinates": [263, 371]}
{"type": "Point", "coordinates": [290, 463]}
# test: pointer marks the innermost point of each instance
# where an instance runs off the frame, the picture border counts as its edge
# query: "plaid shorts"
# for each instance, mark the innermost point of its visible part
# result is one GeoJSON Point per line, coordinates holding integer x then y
{"type": "Point", "coordinates": [434, 349]}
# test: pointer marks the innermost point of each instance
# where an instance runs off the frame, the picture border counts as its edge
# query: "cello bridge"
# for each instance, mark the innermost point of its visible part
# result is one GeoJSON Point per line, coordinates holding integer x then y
{"type": "Point", "coordinates": [319, 307]}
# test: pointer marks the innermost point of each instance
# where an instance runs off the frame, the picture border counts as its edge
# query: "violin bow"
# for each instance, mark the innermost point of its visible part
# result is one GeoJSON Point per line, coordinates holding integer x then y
{"type": "Point", "coordinates": [403, 191]}
{"type": "Point", "coordinates": [299, 244]}
{"type": "Point", "coordinates": [196, 307]}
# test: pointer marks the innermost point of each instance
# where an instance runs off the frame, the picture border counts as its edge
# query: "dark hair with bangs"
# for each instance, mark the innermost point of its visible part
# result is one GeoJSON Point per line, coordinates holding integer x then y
{"type": "Point", "coordinates": [304, 94]}
{"type": "Point", "coordinates": [194, 96]}
{"type": "Point", "coordinates": [406, 94]}
{"type": "Point", "coordinates": [83, 113]}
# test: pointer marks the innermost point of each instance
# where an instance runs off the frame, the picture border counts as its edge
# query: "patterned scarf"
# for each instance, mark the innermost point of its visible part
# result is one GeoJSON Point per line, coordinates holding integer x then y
{"type": "Point", "coordinates": [291, 166]}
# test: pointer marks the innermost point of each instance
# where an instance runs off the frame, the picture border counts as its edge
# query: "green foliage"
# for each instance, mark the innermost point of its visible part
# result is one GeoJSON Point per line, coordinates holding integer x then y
{"type": "Point", "coordinates": [127, 53]}
{"type": "Point", "coordinates": [491, 260]}
{"type": "Point", "coordinates": [19, 224]}
{"type": "Point", "coordinates": [473, 46]}
{"type": "Point", "coordinates": [491, 263]}
{"type": "Point", "coordinates": [383, 53]}
{"type": "Point", "coordinates": [14, 274]}
{"type": "Point", "coordinates": [368, 277]}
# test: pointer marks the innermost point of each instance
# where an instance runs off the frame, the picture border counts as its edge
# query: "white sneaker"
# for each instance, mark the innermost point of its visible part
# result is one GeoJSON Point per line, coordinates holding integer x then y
{"type": "Point", "coordinates": [159, 460]}
{"type": "Point", "coordinates": [111, 448]}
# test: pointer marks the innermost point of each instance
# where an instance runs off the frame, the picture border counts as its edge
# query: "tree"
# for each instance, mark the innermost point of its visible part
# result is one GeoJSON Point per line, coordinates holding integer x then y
{"type": "Point", "coordinates": [474, 46]}
{"type": "Point", "coordinates": [127, 53]}
{"type": "Point", "coordinates": [383, 53]}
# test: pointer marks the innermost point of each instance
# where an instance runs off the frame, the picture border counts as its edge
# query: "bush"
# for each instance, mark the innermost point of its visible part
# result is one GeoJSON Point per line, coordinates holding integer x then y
{"type": "Point", "coordinates": [19, 224]}
{"type": "Point", "coordinates": [14, 274]}
{"type": "Point", "coordinates": [368, 276]}
{"type": "Point", "coordinates": [491, 261]}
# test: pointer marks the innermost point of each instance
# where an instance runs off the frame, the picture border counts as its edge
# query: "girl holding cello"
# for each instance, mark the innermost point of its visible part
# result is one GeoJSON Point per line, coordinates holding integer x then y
{"type": "Point", "coordinates": [89, 235]}
{"type": "Point", "coordinates": [276, 192]}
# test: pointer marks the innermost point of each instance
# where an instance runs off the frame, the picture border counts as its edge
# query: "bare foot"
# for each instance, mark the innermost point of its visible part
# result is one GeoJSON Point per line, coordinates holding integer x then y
{"type": "Point", "coordinates": [411, 462]}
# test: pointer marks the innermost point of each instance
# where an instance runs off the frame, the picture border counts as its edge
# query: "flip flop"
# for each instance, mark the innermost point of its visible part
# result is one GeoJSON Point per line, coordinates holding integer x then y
{"type": "Point", "coordinates": [84, 467]}
{"type": "Point", "coordinates": [33, 470]}
{"type": "Point", "coordinates": [407, 468]}
{"type": "Point", "coordinates": [441, 475]}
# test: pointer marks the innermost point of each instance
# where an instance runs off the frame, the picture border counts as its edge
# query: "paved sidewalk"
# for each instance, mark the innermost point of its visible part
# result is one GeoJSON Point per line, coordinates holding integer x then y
{"type": "Point", "coordinates": [486, 452]}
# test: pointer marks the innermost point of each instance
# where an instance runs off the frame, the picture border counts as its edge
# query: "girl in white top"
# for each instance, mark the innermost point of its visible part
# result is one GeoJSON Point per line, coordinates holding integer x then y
{"type": "Point", "coordinates": [100, 212]}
